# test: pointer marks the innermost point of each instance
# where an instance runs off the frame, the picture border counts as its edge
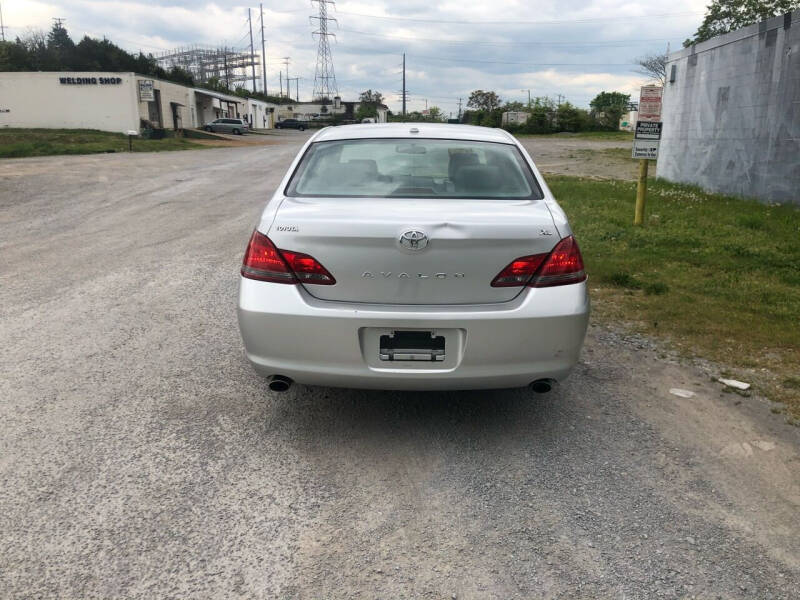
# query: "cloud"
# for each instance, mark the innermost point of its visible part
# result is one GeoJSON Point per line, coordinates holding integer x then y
{"type": "Point", "coordinates": [572, 47]}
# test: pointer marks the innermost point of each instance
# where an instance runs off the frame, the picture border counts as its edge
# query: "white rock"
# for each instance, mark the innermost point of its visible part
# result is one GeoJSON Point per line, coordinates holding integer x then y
{"type": "Point", "coordinates": [764, 445]}
{"type": "Point", "coordinates": [739, 385]}
{"type": "Point", "coordinates": [682, 393]}
{"type": "Point", "coordinates": [737, 450]}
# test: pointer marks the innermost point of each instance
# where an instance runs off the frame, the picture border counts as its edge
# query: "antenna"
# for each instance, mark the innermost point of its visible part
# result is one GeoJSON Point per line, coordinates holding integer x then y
{"type": "Point", "coordinates": [324, 76]}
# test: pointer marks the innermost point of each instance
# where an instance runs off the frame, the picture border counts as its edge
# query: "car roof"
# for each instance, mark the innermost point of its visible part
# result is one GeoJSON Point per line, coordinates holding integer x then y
{"type": "Point", "coordinates": [443, 131]}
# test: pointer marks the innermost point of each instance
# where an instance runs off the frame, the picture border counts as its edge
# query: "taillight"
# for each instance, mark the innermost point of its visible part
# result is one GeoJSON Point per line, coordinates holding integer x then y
{"type": "Point", "coordinates": [519, 271]}
{"type": "Point", "coordinates": [263, 261]}
{"type": "Point", "coordinates": [563, 265]}
{"type": "Point", "coordinates": [307, 268]}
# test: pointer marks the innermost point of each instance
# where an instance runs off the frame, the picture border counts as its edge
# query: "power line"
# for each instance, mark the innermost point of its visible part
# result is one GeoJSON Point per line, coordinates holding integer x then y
{"type": "Point", "coordinates": [506, 62]}
{"type": "Point", "coordinates": [521, 22]}
{"type": "Point", "coordinates": [139, 44]}
{"type": "Point", "coordinates": [606, 43]}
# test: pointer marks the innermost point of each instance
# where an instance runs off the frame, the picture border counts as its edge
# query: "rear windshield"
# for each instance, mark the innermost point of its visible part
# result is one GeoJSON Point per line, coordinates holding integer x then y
{"type": "Point", "coordinates": [413, 168]}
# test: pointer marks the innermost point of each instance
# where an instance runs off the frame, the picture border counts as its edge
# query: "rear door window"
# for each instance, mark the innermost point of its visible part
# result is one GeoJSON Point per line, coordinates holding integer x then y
{"type": "Point", "coordinates": [414, 168]}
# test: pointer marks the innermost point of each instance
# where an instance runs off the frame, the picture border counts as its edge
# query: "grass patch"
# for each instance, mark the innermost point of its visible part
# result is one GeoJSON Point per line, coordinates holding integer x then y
{"type": "Point", "coordinates": [18, 143]}
{"type": "Point", "coordinates": [585, 135]}
{"type": "Point", "coordinates": [717, 275]}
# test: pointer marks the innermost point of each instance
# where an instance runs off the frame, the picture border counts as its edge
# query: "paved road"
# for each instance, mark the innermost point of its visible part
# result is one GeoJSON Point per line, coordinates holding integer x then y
{"type": "Point", "coordinates": [141, 457]}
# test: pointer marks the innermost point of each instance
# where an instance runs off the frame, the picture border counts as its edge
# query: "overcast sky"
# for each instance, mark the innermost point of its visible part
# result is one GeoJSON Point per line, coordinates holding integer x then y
{"type": "Point", "coordinates": [570, 47]}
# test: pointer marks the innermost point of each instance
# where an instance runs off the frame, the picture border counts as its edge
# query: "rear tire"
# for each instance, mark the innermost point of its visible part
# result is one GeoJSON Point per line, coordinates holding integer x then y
{"type": "Point", "coordinates": [208, 128]}
{"type": "Point", "coordinates": [301, 128]}
{"type": "Point", "coordinates": [237, 132]}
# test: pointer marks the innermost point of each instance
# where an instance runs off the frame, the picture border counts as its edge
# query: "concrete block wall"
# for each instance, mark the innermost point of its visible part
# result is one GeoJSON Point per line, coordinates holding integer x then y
{"type": "Point", "coordinates": [732, 114]}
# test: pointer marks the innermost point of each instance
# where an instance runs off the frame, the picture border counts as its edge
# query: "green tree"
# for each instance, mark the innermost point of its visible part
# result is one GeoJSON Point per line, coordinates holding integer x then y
{"type": "Point", "coordinates": [179, 75]}
{"type": "Point", "coordinates": [368, 103]}
{"type": "Point", "coordinates": [571, 118]}
{"type": "Point", "coordinates": [483, 101]}
{"type": "Point", "coordinates": [723, 16]}
{"type": "Point", "coordinates": [515, 107]}
{"type": "Point", "coordinates": [608, 108]}
{"type": "Point", "coordinates": [366, 110]}
{"type": "Point", "coordinates": [55, 51]}
{"type": "Point", "coordinates": [61, 48]}
{"type": "Point", "coordinates": [370, 97]}
{"type": "Point", "coordinates": [435, 113]}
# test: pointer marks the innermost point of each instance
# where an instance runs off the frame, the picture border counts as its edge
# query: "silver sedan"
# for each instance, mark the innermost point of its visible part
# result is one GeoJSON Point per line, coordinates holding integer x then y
{"type": "Point", "coordinates": [413, 256]}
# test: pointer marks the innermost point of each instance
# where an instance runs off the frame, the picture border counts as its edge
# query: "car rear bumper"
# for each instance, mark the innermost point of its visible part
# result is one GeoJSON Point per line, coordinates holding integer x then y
{"type": "Point", "coordinates": [538, 335]}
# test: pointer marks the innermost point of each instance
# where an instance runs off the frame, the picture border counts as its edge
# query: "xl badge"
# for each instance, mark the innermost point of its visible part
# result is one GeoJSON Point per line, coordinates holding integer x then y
{"type": "Point", "coordinates": [413, 240]}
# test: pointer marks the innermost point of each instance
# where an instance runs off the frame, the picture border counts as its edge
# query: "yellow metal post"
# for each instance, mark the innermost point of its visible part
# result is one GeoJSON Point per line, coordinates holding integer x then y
{"type": "Point", "coordinates": [641, 192]}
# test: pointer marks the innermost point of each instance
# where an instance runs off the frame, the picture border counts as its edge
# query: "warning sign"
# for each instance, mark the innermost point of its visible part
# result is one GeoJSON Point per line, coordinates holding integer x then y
{"type": "Point", "coordinates": [146, 93]}
{"type": "Point", "coordinates": [648, 130]}
{"type": "Point", "coordinates": [645, 149]}
{"type": "Point", "coordinates": [650, 103]}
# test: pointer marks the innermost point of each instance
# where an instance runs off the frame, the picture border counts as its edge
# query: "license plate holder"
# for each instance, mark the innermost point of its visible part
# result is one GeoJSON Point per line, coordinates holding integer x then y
{"type": "Point", "coordinates": [412, 346]}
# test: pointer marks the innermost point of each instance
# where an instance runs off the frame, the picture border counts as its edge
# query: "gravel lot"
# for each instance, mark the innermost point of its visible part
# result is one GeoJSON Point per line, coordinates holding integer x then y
{"type": "Point", "coordinates": [566, 154]}
{"type": "Point", "coordinates": [141, 457]}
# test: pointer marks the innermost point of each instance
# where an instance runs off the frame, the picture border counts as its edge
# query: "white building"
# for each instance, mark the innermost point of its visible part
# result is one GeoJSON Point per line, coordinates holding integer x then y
{"type": "Point", "coordinates": [260, 114]}
{"type": "Point", "coordinates": [627, 121]}
{"type": "Point", "coordinates": [514, 118]}
{"type": "Point", "coordinates": [316, 111]}
{"type": "Point", "coordinates": [118, 102]}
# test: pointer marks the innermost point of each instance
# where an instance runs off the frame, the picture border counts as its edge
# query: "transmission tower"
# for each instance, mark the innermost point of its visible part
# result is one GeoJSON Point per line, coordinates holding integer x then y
{"type": "Point", "coordinates": [324, 76]}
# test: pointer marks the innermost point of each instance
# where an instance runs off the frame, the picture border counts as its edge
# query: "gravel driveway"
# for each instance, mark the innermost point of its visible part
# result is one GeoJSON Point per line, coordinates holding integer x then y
{"type": "Point", "coordinates": [141, 457]}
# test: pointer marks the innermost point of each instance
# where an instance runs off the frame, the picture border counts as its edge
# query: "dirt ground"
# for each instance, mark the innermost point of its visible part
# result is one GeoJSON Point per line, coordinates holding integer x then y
{"type": "Point", "coordinates": [261, 138]}
{"type": "Point", "coordinates": [559, 154]}
{"type": "Point", "coordinates": [567, 155]}
{"type": "Point", "coordinates": [141, 456]}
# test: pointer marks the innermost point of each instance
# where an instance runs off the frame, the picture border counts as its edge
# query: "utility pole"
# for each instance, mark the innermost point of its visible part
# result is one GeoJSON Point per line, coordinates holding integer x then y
{"type": "Point", "coordinates": [560, 96]}
{"type": "Point", "coordinates": [529, 97]}
{"type": "Point", "coordinates": [459, 110]}
{"type": "Point", "coordinates": [2, 27]}
{"type": "Point", "coordinates": [59, 21]}
{"type": "Point", "coordinates": [289, 87]}
{"type": "Point", "coordinates": [252, 53]}
{"type": "Point", "coordinates": [286, 60]}
{"type": "Point", "coordinates": [404, 84]}
{"type": "Point", "coordinates": [280, 81]}
{"type": "Point", "coordinates": [263, 50]}
{"type": "Point", "coordinates": [225, 64]}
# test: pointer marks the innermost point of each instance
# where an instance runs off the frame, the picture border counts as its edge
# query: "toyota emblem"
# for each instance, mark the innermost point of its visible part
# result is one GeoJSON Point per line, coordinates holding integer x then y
{"type": "Point", "coordinates": [413, 240]}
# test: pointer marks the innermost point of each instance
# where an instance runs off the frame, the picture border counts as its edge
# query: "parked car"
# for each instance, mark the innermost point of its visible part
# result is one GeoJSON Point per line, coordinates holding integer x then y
{"type": "Point", "coordinates": [291, 124]}
{"type": "Point", "coordinates": [236, 126]}
{"type": "Point", "coordinates": [413, 256]}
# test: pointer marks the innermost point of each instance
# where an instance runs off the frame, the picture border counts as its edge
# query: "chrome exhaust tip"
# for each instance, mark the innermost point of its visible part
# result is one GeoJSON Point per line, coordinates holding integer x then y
{"type": "Point", "coordinates": [279, 383]}
{"type": "Point", "coordinates": [542, 386]}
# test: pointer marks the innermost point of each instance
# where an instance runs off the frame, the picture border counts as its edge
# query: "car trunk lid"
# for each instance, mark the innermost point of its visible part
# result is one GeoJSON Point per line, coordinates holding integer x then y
{"type": "Point", "coordinates": [468, 242]}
